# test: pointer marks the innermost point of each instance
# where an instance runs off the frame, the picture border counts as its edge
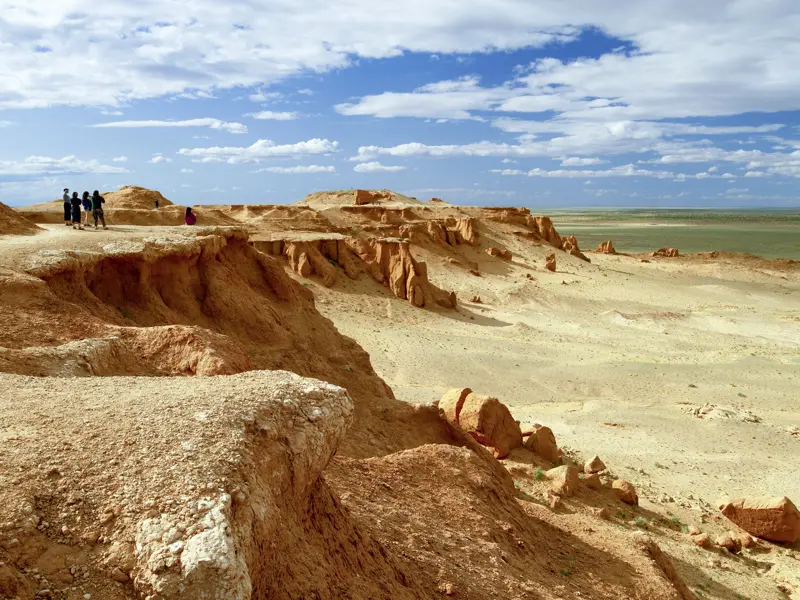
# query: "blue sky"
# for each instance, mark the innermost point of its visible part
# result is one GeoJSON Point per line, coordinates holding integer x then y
{"type": "Point", "coordinates": [541, 104]}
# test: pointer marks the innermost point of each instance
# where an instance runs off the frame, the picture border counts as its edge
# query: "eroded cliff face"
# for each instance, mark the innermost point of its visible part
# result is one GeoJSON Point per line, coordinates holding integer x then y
{"type": "Point", "coordinates": [388, 260]}
{"type": "Point", "coordinates": [173, 488]}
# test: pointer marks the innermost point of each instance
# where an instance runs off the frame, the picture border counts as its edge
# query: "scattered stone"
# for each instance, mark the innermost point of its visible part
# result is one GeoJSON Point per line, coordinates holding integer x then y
{"type": "Point", "coordinates": [474, 272]}
{"type": "Point", "coordinates": [702, 540]}
{"type": "Point", "coordinates": [728, 542]}
{"type": "Point", "coordinates": [550, 263]}
{"type": "Point", "coordinates": [594, 465]}
{"type": "Point", "coordinates": [553, 500]}
{"type": "Point", "coordinates": [644, 260]}
{"type": "Point", "coordinates": [774, 519]}
{"type": "Point", "coordinates": [119, 575]}
{"type": "Point", "coordinates": [447, 588]}
{"type": "Point", "coordinates": [600, 513]}
{"type": "Point", "coordinates": [746, 540]}
{"type": "Point", "coordinates": [593, 482]}
{"type": "Point", "coordinates": [666, 253]}
{"type": "Point", "coordinates": [476, 300]}
{"type": "Point", "coordinates": [693, 530]}
{"type": "Point", "coordinates": [504, 254]}
{"type": "Point", "coordinates": [543, 442]}
{"type": "Point", "coordinates": [564, 480]}
{"type": "Point", "coordinates": [625, 492]}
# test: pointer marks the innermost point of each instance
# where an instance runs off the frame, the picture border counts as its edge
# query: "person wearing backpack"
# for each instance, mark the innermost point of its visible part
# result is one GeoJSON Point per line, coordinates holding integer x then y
{"type": "Point", "coordinates": [97, 209]}
{"type": "Point", "coordinates": [87, 206]}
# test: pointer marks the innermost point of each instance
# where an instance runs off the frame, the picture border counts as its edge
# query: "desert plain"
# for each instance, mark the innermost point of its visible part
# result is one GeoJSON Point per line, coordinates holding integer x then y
{"type": "Point", "coordinates": [256, 407]}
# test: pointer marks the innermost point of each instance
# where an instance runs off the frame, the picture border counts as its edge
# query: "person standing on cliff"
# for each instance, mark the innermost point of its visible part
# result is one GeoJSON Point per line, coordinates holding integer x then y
{"type": "Point", "coordinates": [67, 208]}
{"type": "Point", "coordinates": [75, 203]}
{"type": "Point", "coordinates": [190, 218]}
{"type": "Point", "coordinates": [87, 207]}
{"type": "Point", "coordinates": [97, 209]}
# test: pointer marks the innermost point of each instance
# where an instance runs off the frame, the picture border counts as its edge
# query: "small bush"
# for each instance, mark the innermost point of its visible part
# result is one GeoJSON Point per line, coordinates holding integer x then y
{"type": "Point", "coordinates": [538, 474]}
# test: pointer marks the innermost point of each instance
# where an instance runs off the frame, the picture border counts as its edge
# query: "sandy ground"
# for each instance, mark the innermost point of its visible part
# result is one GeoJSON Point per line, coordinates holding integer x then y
{"type": "Point", "coordinates": [614, 356]}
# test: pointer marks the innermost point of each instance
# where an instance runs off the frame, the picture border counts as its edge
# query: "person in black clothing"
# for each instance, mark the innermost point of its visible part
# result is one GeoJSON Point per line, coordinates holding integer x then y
{"type": "Point", "coordinates": [97, 209]}
{"type": "Point", "coordinates": [87, 206]}
{"type": "Point", "coordinates": [76, 211]}
{"type": "Point", "coordinates": [156, 203]}
{"type": "Point", "coordinates": [67, 208]}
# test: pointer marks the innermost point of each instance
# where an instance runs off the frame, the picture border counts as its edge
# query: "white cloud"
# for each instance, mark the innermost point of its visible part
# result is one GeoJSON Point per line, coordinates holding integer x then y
{"type": "Point", "coordinates": [6, 124]}
{"type": "Point", "coordinates": [268, 115]}
{"type": "Point", "coordinates": [508, 161]}
{"type": "Point", "coordinates": [376, 167]}
{"type": "Point", "coordinates": [621, 171]}
{"type": "Point", "coordinates": [211, 123]}
{"type": "Point", "coordinates": [264, 96]}
{"type": "Point", "coordinates": [187, 171]}
{"type": "Point", "coordinates": [44, 165]}
{"type": "Point", "coordinates": [306, 92]}
{"type": "Point", "coordinates": [259, 150]}
{"type": "Point", "coordinates": [119, 159]}
{"type": "Point", "coordinates": [298, 170]}
{"type": "Point", "coordinates": [159, 159]}
{"type": "Point", "coordinates": [756, 174]}
{"type": "Point", "coordinates": [716, 57]}
{"type": "Point", "coordinates": [112, 113]}
{"type": "Point", "coordinates": [574, 161]}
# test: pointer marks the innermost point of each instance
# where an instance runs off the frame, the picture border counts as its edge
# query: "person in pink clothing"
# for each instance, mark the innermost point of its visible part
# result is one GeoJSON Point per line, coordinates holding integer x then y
{"type": "Point", "coordinates": [190, 218]}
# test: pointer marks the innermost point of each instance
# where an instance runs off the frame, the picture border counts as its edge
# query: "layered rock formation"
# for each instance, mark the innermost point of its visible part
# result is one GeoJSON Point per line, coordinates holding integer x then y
{"type": "Point", "coordinates": [570, 245]}
{"type": "Point", "coordinates": [389, 262]}
{"type": "Point", "coordinates": [775, 519]}
{"type": "Point", "coordinates": [606, 248]}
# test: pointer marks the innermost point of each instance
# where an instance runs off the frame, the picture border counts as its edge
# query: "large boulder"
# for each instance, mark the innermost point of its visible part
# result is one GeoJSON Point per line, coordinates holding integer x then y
{"type": "Point", "coordinates": [774, 519]}
{"type": "Point", "coordinates": [550, 263]}
{"type": "Point", "coordinates": [594, 465]}
{"type": "Point", "coordinates": [564, 480]}
{"type": "Point", "coordinates": [486, 419]}
{"type": "Point", "coordinates": [543, 442]}
{"type": "Point", "coordinates": [625, 492]}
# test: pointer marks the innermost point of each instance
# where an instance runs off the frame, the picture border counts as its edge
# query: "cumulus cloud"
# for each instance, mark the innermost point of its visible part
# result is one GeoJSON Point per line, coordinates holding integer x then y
{"type": "Point", "coordinates": [159, 159]}
{"type": "Point", "coordinates": [268, 115]}
{"type": "Point", "coordinates": [112, 113]}
{"type": "Point", "coordinates": [299, 170]}
{"type": "Point", "coordinates": [259, 150]}
{"type": "Point", "coordinates": [376, 167]}
{"type": "Point", "coordinates": [120, 159]}
{"type": "Point", "coordinates": [211, 123]}
{"type": "Point", "coordinates": [44, 165]}
{"type": "Point", "coordinates": [187, 171]}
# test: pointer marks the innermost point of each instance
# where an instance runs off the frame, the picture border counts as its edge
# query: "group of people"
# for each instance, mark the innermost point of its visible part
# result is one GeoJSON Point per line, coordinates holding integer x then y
{"type": "Point", "coordinates": [92, 207]}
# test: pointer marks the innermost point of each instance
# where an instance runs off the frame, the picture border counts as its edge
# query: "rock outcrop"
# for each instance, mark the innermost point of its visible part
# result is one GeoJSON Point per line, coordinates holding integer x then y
{"type": "Point", "coordinates": [606, 248]}
{"type": "Point", "coordinates": [774, 519]}
{"type": "Point", "coordinates": [550, 263]}
{"type": "Point", "coordinates": [388, 260]}
{"type": "Point", "coordinates": [569, 245]}
{"type": "Point", "coordinates": [486, 419]}
{"type": "Point", "coordinates": [543, 227]}
{"type": "Point", "coordinates": [666, 253]}
{"type": "Point", "coordinates": [368, 197]}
